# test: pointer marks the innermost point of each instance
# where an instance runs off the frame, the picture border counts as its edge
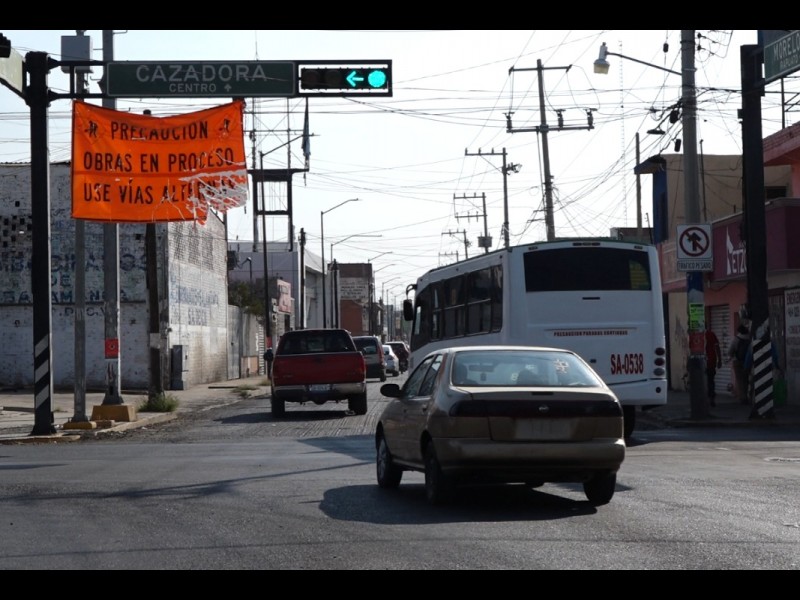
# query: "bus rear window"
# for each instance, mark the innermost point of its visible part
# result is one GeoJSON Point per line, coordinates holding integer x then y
{"type": "Point", "coordinates": [586, 269]}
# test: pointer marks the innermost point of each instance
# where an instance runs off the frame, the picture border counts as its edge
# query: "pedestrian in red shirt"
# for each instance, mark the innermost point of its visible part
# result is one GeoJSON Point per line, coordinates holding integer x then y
{"type": "Point", "coordinates": [713, 362]}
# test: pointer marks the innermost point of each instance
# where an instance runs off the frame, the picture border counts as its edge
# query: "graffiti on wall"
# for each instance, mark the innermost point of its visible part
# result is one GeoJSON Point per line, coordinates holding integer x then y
{"type": "Point", "coordinates": [16, 276]}
{"type": "Point", "coordinates": [196, 304]}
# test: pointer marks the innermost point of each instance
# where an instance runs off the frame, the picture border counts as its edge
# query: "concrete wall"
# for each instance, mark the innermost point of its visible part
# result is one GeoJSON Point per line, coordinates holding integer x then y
{"type": "Point", "coordinates": [193, 290]}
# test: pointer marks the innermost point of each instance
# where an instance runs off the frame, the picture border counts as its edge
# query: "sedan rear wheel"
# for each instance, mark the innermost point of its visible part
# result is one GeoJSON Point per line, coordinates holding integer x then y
{"type": "Point", "coordinates": [389, 474]}
{"type": "Point", "coordinates": [438, 487]}
{"type": "Point", "coordinates": [629, 421]}
{"type": "Point", "coordinates": [600, 488]}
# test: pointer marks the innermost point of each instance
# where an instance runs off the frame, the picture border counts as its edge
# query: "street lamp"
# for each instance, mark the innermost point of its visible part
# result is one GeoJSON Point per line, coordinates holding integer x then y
{"type": "Point", "coordinates": [322, 251]}
{"type": "Point", "coordinates": [382, 268]}
{"type": "Point", "coordinates": [381, 254]}
{"type": "Point", "coordinates": [695, 302]}
{"type": "Point", "coordinates": [389, 313]}
{"type": "Point", "coordinates": [385, 302]}
{"type": "Point", "coordinates": [334, 285]}
{"type": "Point", "coordinates": [601, 64]}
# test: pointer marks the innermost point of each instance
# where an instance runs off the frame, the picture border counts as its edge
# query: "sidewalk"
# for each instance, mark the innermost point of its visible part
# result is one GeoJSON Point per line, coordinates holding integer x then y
{"type": "Point", "coordinates": [727, 413]}
{"type": "Point", "coordinates": [18, 418]}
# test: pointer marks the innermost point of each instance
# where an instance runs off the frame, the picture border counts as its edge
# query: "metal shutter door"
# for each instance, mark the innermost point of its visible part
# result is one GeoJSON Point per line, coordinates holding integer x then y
{"type": "Point", "coordinates": [720, 325]}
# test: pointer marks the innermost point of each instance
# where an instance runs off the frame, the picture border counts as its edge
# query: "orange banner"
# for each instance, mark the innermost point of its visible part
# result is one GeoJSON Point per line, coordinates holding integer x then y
{"type": "Point", "coordinates": [139, 168]}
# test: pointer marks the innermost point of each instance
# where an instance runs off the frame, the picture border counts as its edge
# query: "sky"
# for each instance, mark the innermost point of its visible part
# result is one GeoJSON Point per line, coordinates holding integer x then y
{"type": "Point", "coordinates": [426, 162]}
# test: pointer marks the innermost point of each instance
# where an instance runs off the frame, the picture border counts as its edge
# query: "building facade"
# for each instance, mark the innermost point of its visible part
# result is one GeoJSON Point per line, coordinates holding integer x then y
{"type": "Point", "coordinates": [725, 287]}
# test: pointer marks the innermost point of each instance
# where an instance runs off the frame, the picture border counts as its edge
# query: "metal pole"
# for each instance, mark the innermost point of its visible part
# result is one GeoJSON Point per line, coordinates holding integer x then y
{"type": "Point", "coordinates": [638, 195]}
{"type": "Point", "coordinates": [322, 252]}
{"type": "Point", "coordinates": [506, 241]}
{"type": "Point", "coordinates": [79, 410]}
{"type": "Point", "coordinates": [755, 227]}
{"type": "Point", "coordinates": [36, 64]}
{"type": "Point", "coordinates": [485, 224]}
{"type": "Point", "coordinates": [111, 275]}
{"type": "Point", "coordinates": [335, 318]}
{"type": "Point", "coordinates": [267, 300]}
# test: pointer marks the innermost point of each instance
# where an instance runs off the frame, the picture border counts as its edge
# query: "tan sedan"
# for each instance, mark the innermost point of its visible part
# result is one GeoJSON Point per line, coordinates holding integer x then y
{"type": "Point", "coordinates": [501, 414]}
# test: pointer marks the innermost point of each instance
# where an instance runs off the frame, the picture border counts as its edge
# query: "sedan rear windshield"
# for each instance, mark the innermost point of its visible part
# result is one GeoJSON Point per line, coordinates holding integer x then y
{"type": "Point", "coordinates": [522, 368]}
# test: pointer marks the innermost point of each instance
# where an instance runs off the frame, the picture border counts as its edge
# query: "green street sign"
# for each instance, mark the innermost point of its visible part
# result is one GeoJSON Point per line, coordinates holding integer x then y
{"type": "Point", "coordinates": [200, 79]}
{"type": "Point", "coordinates": [782, 57]}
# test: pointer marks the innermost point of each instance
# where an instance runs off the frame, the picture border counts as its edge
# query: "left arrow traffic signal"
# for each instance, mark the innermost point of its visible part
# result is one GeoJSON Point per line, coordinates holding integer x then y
{"type": "Point", "coordinates": [344, 80]}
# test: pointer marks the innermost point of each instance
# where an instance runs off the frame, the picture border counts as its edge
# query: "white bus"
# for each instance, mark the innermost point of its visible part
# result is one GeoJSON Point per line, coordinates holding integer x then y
{"type": "Point", "coordinates": [599, 297]}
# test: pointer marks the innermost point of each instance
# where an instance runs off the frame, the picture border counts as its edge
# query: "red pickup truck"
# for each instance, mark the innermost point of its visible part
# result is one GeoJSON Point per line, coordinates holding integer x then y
{"type": "Point", "coordinates": [318, 365]}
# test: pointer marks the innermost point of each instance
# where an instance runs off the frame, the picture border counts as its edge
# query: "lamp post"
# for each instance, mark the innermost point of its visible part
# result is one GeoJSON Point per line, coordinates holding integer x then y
{"type": "Point", "coordinates": [601, 64]}
{"type": "Point", "coordinates": [322, 251]}
{"type": "Point", "coordinates": [249, 260]}
{"type": "Point", "coordinates": [373, 279]}
{"type": "Point", "coordinates": [334, 285]}
{"type": "Point", "coordinates": [384, 320]}
{"type": "Point", "coordinates": [377, 255]}
{"type": "Point", "coordinates": [691, 198]}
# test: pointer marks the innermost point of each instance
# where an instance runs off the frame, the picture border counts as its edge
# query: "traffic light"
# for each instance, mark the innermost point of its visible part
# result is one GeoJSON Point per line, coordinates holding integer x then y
{"type": "Point", "coordinates": [344, 80]}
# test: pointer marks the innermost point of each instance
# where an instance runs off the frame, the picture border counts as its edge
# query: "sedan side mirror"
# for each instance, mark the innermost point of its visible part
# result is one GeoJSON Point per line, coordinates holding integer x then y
{"type": "Point", "coordinates": [391, 390]}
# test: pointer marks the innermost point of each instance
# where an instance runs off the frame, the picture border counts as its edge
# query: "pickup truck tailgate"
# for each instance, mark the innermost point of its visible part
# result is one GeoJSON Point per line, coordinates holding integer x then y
{"type": "Point", "coordinates": [309, 369]}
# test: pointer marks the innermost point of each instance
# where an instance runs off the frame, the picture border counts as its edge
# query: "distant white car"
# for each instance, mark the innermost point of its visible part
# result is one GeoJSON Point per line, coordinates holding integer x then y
{"type": "Point", "coordinates": [392, 362]}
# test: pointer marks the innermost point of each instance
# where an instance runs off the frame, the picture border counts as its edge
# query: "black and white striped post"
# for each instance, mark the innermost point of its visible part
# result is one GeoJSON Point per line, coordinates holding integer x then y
{"type": "Point", "coordinates": [763, 400]}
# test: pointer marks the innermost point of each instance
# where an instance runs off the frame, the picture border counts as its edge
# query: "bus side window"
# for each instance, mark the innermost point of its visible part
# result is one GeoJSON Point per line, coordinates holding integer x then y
{"type": "Point", "coordinates": [497, 298]}
{"type": "Point", "coordinates": [479, 308]}
{"type": "Point", "coordinates": [437, 310]}
{"type": "Point", "coordinates": [454, 309]}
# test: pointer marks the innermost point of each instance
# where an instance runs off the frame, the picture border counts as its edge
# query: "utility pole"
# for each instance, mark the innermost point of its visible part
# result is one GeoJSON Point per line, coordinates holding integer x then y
{"type": "Point", "coordinates": [484, 242]}
{"type": "Point", "coordinates": [638, 194]}
{"type": "Point", "coordinates": [302, 289]}
{"type": "Point", "coordinates": [544, 129]}
{"type": "Point", "coordinates": [446, 254]}
{"type": "Point", "coordinates": [111, 275]}
{"type": "Point", "coordinates": [466, 242]}
{"type": "Point", "coordinates": [513, 169]}
{"type": "Point", "coordinates": [691, 198]}
{"type": "Point", "coordinates": [267, 297]}
{"type": "Point", "coordinates": [154, 307]}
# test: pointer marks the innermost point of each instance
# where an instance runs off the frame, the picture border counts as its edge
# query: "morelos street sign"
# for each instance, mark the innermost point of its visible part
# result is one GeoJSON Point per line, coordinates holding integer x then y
{"type": "Point", "coordinates": [159, 79]}
{"type": "Point", "coordinates": [782, 57]}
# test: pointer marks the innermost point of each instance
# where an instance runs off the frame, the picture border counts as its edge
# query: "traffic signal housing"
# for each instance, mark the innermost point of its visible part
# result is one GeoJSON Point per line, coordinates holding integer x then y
{"type": "Point", "coordinates": [339, 79]}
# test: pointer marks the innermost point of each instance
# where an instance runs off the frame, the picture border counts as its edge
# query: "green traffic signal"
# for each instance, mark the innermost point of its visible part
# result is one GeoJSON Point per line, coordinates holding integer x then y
{"type": "Point", "coordinates": [344, 79]}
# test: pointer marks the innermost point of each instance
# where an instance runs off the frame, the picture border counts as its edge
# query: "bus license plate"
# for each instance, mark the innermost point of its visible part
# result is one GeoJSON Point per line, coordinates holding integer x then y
{"type": "Point", "coordinates": [320, 387]}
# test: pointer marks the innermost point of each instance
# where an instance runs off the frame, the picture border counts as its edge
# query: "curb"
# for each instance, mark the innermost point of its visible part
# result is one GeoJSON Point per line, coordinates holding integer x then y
{"type": "Point", "coordinates": [74, 435]}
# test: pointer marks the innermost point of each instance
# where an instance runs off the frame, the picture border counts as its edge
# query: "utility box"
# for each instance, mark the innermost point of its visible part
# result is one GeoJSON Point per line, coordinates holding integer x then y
{"type": "Point", "coordinates": [176, 370]}
{"type": "Point", "coordinates": [76, 47]}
